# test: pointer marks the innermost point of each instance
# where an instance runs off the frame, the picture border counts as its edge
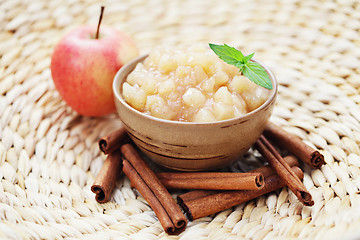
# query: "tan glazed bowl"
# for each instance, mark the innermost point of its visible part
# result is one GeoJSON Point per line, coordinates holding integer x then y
{"type": "Point", "coordinates": [191, 146]}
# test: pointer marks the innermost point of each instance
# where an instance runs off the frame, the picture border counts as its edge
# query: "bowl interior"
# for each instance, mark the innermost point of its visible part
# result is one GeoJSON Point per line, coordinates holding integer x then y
{"type": "Point", "coordinates": [121, 75]}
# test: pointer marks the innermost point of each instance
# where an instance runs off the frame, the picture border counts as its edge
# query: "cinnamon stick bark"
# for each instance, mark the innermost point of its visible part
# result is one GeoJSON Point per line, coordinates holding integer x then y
{"type": "Point", "coordinates": [193, 195]}
{"type": "Point", "coordinates": [106, 179]}
{"type": "Point", "coordinates": [266, 171]}
{"type": "Point", "coordinates": [113, 141]}
{"type": "Point", "coordinates": [211, 180]}
{"type": "Point", "coordinates": [283, 170]}
{"type": "Point", "coordinates": [149, 186]}
{"type": "Point", "coordinates": [207, 205]}
{"type": "Point", "coordinates": [294, 145]}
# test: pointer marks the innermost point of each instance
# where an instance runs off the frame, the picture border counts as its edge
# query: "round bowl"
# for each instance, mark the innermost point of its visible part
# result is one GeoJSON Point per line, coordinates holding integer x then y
{"type": "Point", "coordinates": [191, 146]}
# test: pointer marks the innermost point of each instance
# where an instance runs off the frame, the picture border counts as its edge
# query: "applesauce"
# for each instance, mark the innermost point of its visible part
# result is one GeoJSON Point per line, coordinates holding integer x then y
{"type": "Point", "coordinates": [191, 85]}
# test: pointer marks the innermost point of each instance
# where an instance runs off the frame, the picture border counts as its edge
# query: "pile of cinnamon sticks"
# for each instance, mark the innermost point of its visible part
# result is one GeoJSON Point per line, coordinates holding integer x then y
{"type": "Point", "coordinates": [207, 192]}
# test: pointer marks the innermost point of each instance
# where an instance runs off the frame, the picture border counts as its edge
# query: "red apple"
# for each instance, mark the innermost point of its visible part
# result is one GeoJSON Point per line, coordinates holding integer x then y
{"type": "Point", "coordinates": [83, 67]}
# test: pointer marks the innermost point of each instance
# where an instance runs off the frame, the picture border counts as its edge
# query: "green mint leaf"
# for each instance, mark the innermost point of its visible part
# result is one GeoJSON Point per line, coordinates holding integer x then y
{"type": "Point", "coordinates": [257, 74]}
{"type": "Point", "coordinates": [252, 70]}
{"type": "Point", "coordinates": [239, 65]}
{"type": "Point", "coordinates": [248, 57]}
{"type": "Point", "coordinates": [228, 54]}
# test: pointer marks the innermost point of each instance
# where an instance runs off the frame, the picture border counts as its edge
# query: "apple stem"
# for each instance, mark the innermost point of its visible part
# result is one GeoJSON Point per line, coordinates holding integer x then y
{"type": "Point", "coordinates": [100, 18]}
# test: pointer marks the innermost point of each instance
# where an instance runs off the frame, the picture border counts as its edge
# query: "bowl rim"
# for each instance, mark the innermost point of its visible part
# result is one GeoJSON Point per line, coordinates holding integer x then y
{"type": "Point", "coordinates": [117, 85]}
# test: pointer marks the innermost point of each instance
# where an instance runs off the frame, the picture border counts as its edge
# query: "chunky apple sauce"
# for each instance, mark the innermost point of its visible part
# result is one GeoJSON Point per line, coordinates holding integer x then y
{"type": "Point", "coordinates": [191, 85]}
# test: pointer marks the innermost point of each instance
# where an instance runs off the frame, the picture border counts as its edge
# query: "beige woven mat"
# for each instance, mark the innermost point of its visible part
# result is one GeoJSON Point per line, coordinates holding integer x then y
{"type": "Point", "coordinates": [49, 155]}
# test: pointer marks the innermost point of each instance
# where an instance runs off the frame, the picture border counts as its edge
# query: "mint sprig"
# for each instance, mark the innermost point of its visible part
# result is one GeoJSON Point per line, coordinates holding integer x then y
{"type": "Point", "coordinates": [252, 70]}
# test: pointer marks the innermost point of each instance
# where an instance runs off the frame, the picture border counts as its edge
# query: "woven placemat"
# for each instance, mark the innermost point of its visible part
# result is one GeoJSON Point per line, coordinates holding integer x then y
{"type": "Point", "coordinates": [49, 155]}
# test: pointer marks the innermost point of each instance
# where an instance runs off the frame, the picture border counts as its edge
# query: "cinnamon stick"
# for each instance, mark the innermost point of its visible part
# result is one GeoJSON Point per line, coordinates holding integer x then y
{"type": "Point", "coordinates": [266, 171]}
{"type": "Point", "coordinates": [212, 180]}
{"type": "Point", "coordinates": [283, 170]}
{"type": "Point", "coordinates": [149, 186]}
{"type": "Point", "coordinates": [113, 141]}
{"type": "Point", "coordinates": [105, 180]}
{"type": "Point", "coordinates": [195, 194]}
{"type": "Point", "coordinates": [294, 145]}
{"type": "Point", "coordinates": [221, 200]}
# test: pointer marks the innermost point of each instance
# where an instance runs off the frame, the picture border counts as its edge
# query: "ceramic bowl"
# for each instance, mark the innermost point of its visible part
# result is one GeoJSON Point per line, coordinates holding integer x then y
{"type": "Point", "coordinates": [190, 146]}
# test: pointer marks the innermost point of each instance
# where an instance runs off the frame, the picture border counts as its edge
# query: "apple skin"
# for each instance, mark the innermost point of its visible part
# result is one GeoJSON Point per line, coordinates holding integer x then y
{"type": "Point", "coordinates": [83, 68]}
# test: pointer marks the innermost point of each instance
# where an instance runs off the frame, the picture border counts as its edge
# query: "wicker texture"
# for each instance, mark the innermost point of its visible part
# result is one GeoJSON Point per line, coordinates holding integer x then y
{"type": "Point", "coordinates": [49, 155]}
